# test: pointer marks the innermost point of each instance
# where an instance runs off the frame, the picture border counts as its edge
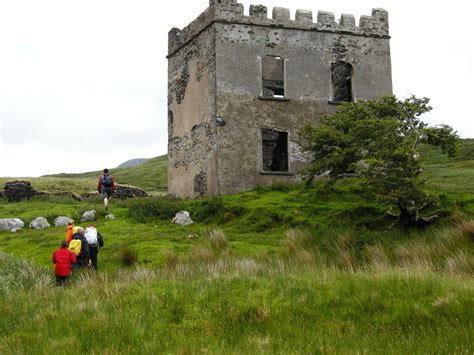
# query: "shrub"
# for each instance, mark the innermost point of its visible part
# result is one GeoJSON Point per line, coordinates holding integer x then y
{"type": "Point", "coordinates": [204, 210]}
{"type": "Point", "coordinates": [128, 256]}
{"type": "Point", "coordinates": [162, 207]}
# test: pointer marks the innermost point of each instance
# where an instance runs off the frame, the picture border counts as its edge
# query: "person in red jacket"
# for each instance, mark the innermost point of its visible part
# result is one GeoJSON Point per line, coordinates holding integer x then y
{"type": "Point", "coordinates": [63, 259]}
{"type": "Point", "coordinates": [106, 186]}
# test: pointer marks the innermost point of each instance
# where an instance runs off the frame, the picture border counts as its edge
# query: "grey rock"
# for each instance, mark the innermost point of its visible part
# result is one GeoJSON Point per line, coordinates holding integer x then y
{"type": "Point", "coordinates": [110, 216]}
{"type": "Point", "coordinates": [39, 223]}
{"type": "Point", "coordinates": [89, 216]}
{"type": "Point", "coordinates": [182, 218]}
{"type": "Point", "coordinates": [62, 221]}
{"type": "Point", "coordinates": [11, 224]}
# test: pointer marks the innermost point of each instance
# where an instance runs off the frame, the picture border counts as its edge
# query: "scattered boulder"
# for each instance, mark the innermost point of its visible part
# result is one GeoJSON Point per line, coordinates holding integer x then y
{"type": "Point", "coordinates": [89, 216]}
{"type": "Point", "coordinates": [62, 221]}
{"type": "Point", "coordinates": [11, 224]}
{"type": "Point", "coordinates": [110, 216]}
{"type": "Point", "coordinates": [39, 223]}
{"type": "Point", "coordinates": [18, 190]}
{"type": "Point", "coordinates": [123, 192]}
{"type": "Point", "coordinates": [182, 218]}
{"type": "Point", "coordinates": [192, 236]}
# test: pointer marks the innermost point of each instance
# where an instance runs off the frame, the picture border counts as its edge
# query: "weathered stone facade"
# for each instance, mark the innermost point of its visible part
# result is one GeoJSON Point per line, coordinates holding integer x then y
{"type": "Point", "coordinates": [240, 87]}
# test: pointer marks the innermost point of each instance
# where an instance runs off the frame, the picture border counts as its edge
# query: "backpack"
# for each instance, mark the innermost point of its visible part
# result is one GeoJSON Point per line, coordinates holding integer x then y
{"type": "Point", "coordinates": [91, 236]}
{"type": "Point", "coordinates": [106, 181]}
{"type": "Point", "coordinates": [75, 246]}
{"type": "Point", "coordinates": [100, 239]}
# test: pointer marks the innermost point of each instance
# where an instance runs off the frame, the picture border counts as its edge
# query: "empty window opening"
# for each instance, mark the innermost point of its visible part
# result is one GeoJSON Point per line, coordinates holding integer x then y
{"type": "Point", "coordinates": [274, 150]}
{"type": "Point", "coordinates": [341, 75]}
{"type": "Point", "coordinates": [273, 82]}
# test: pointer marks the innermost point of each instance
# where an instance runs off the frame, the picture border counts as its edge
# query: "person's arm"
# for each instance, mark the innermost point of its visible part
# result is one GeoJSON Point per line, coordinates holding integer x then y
{"type": "Point", "coordinates": [99, 184]}
{"type": "Point", "coordinates": [100, 240]}
{"type": "Point", "coordinates": [53, 259]}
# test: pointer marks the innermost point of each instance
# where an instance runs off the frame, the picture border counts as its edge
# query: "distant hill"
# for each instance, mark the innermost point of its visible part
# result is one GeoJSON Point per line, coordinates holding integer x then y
{"type": "Point", "coordinates": [152, 175]}
{"type": "Point", "coordinates": [132, 162]}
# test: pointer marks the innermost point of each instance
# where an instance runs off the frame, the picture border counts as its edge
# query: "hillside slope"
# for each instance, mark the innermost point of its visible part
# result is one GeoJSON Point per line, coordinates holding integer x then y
{"type": "Point", "coordinates": [152, 175]}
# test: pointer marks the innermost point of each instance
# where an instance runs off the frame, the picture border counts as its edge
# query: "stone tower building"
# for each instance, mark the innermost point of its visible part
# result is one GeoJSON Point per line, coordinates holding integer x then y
{"type": "Point", "coordinates": [240, 87]}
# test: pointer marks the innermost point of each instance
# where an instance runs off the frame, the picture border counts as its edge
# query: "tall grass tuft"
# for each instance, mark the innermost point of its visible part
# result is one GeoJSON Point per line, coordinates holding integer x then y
{"type": "Point", "coordinates": [20, 274]}
{"type": "Point", "coordinates": [297, 247]}
{"type": "Point", "coordinates": [217, 246]}
{"type": "Point", "coordinates": [128, 256]}
{"type": "Point", "coordinates": [217, 241]}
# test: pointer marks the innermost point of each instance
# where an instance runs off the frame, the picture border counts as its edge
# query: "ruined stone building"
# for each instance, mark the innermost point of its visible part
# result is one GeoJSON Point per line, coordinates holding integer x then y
{"type": "Point", "coordinates": [241, 87]}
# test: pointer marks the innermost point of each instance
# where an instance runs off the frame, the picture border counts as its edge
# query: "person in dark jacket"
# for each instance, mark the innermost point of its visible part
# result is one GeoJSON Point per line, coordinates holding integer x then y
{"type": "Point", "coordinates": [106, 186]}
{"type": "Point", "coordinates": [84, 258]}
{"type": "Point", "coordinates": [63, 259]}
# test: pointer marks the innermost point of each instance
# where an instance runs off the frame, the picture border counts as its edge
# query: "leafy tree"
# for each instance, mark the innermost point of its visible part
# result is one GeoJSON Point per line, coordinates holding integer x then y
{"type": "Point", "coordinates": [378, 140]}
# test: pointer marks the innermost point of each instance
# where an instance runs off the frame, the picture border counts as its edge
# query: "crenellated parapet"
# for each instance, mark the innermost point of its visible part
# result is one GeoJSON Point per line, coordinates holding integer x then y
{"type": "Point", "coordinates": [230, 11]}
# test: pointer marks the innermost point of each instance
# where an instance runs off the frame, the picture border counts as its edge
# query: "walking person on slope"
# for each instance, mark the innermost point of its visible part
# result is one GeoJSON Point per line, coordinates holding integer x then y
{"type": "Point", "coordinates": [106, 186]}
{"type": "Point", "coordinates": [63, 259]}
{"type": "Point", "coordinates": [95, 241]}
{"type": "Point", "coordinates": [84, 257]}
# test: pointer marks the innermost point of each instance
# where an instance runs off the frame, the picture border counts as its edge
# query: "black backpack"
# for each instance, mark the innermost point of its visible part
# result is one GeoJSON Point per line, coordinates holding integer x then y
{"type": "Point", "coordinates": [107, 181]}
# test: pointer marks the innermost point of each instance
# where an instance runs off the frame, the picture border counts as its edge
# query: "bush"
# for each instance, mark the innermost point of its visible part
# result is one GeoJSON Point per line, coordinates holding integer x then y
{"type": "Point", "coordinates": [158, 207]}
{"type": "Point", "coordinates": [128, 256]}
{"type": "Point", "coordinates": [204, 210]}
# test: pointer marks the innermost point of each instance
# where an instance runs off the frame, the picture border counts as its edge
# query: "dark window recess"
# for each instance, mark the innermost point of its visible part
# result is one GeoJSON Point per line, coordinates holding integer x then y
{"type": "Point", "coordinates": [275, 150]}
{"type": "Point", "coordinates": [341, 74]}
{"type": "Point", "coordinates": [273, 84]}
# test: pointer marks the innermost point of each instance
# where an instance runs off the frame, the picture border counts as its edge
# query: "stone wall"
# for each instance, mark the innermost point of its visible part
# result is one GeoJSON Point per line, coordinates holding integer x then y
{"type": "Point", "coordinates": [191, 110]}
{"type": "Point", "coordinates": [18, 190]}
{"type": "Point", "coordinates": [127, 191]}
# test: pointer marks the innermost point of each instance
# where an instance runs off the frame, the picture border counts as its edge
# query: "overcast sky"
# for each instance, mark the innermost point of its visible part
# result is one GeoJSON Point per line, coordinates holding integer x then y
{"type": "Point", "coordinates": [83, 84]}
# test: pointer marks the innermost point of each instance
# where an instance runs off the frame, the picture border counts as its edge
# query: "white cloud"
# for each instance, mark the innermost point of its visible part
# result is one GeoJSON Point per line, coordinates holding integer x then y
{"type": "Point", "coordinates": [83, 84]}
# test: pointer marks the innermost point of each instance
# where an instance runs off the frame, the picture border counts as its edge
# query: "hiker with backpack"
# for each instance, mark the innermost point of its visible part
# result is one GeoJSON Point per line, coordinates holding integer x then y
{"type": "Point", "coordinates": [95, 241]}
{"type": "Point", "coordinates": [106, 186]}
{"type": "Point", "coordinates": [63, 259]}
{"type": "Point", "coordinates": [69, 231]}
{"type": "Point", "coordinates": [80, 247]}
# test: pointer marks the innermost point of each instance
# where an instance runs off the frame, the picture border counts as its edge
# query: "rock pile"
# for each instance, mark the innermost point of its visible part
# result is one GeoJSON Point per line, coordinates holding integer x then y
{"type": "Point", "coordinates": [128, 191]}
{"type": "Point", "coordinates": [18, 190]}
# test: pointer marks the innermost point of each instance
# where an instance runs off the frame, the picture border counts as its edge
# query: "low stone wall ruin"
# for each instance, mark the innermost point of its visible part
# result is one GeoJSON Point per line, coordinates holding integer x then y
{"type": "Point", "coordinates": [18, 190]}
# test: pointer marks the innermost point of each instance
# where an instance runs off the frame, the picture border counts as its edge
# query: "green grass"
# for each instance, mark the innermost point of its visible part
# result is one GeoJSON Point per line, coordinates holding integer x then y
{"type": "Point", "coordinates": [282, 269]}
{"type": "Point", "coordinates": [211, 301]}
